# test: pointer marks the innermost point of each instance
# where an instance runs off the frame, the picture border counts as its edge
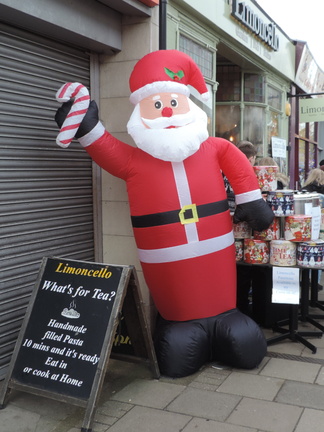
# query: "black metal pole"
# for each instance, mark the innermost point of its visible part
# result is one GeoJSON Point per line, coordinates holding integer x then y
{"type": "Point", "coordinates": [304, 94]}
{"type": "Point", "coordinates": [162, 24]}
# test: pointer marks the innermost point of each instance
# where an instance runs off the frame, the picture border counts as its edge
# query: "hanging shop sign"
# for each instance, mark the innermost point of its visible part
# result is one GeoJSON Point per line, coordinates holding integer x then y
{"type": "Point", "coordinates": [311, 110]}
{"type": "Point", "coordinates": [251, 20]}
{"type": "Point", "coordinates": [309, 77]}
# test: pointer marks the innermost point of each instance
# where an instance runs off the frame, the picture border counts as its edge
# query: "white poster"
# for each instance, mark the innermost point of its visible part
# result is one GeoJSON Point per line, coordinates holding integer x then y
{"type": "Point", "coordinates": [285, 286]}
{"type": "Point", "coordinates": [279, 146]}
{"type": "Point", "coordinates": [315, 212]}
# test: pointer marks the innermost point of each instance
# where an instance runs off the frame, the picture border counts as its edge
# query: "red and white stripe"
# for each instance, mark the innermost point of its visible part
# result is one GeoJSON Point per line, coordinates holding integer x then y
{"type": "Point", "coordinates": [80, 106]}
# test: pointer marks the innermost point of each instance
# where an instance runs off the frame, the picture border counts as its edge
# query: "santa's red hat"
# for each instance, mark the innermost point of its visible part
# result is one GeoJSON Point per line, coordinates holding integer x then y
{"type": "Point", "coordinates": [165, 71]}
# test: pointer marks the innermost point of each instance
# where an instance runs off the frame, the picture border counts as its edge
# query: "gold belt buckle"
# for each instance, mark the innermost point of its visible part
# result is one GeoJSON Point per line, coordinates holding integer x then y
{"type": "Point", "coordinates": [194, 218]}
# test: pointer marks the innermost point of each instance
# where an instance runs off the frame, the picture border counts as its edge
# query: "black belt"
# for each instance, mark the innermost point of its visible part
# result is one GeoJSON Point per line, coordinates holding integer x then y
{"type": "Point", "coordinates": [188, 214]}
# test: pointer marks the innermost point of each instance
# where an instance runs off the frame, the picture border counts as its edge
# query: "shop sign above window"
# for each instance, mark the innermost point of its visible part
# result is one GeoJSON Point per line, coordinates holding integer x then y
{"type": "Point", "coordinates": [266, 32]}
{"type": "Point", "coordinates": [201, 55]}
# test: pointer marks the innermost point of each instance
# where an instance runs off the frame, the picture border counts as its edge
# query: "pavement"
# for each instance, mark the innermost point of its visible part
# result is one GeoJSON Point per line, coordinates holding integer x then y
{"type": "Point", "coordinates": [284, 394]}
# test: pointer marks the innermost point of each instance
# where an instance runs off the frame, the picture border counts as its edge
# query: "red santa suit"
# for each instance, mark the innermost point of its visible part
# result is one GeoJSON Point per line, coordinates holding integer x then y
{"type": "Point", "coordinates": [188, 257]}
{"type": "Point", "coordinates": [182, 225]}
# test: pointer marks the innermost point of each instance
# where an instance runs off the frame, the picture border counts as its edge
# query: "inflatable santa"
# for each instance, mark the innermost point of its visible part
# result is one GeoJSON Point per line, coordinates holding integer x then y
{"type": "Point", "coordinates": [180, 216]}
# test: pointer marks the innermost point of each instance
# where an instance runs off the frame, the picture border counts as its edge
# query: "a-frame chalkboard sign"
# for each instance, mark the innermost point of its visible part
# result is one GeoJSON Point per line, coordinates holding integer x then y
{"type": "Point", "coordinates": [65, 342]}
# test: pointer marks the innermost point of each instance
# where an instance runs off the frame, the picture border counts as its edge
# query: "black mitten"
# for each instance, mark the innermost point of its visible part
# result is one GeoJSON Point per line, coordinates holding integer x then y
{"type": "Point", "coordinates": [256, 213]}
{"type": "Point", "coordinates": [89, 121]}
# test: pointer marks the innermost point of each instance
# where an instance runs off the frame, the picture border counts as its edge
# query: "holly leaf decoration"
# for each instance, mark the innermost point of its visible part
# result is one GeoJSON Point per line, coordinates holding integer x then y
{"type": "Point", "coordinates": [176, 76]}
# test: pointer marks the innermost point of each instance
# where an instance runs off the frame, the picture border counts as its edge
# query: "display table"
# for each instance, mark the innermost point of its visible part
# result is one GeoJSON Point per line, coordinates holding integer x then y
{"type": "Point", "coordinates": [297, 220]}
{"type": "Point", "coordinates": [296, 312]}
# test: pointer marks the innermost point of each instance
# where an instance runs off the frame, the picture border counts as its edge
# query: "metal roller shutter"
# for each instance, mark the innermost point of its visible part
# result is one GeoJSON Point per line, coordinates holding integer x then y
{"type": "Point", "coordinates": [45, 192]}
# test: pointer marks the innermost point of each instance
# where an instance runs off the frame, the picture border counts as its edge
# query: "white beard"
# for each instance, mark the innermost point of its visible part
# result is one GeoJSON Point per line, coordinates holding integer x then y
{"type": "Point", "coordinates": [171, 145]}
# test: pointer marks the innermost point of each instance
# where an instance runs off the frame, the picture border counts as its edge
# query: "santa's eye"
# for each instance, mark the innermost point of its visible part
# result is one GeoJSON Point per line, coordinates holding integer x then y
{"type": "Point", "coordinates": [158, 105]}
{"type": "Point", "coordinates": [174, 103]}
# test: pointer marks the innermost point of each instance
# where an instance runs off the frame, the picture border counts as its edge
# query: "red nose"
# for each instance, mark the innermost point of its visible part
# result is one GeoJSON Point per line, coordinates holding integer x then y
{"type": "Point", "coordinates": [167, 112]}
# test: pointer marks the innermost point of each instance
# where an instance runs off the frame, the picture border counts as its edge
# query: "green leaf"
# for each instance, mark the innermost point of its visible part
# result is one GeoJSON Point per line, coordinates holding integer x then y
{"type": "Point", "coordinates": [177, 76]}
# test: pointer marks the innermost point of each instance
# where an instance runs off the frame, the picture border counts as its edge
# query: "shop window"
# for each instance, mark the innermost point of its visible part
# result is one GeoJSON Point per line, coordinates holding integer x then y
{"type": "Point", "coordinates": [229, 88]}
{"type": "Point", "coordinates": [206, 106]}
{"type": "Point", "coordinates": [228, 122]}
{"type": "Point", "coordinates": [253, 88]}
{"type": "Point", "coordinates": [204, 58]}
{"type": "Point", "coordinates": [274, 98]}
{"type": "Point", "coordinates": [302, 130]}
{"type": "Point", "coordinates": [201, 55]}
{"type": "Point", "coordinates": [253, 121]}
{"type": "Point", "coordinates": [312, 155]}
{"type": "Point", "coordinates": [273, 126]}
{"type": "Point", "coordinates": [301, 162]}
{"type": "Point", "coordinates": [307, 159]}
{"type": "Point", "coordinates": [246, 107]}
{"type": "Point", "coordinates": [307, 150]}
{"type": "Point", "coordinates": [312, 129]}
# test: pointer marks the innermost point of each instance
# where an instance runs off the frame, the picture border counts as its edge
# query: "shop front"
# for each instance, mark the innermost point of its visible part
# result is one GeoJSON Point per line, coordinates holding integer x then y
{"type": "Point", "coordinates": [306, 100]}
{"type": "Point", "coordinates": [52, 202]}
{"type": "Point", "coordinates": [249, 65]}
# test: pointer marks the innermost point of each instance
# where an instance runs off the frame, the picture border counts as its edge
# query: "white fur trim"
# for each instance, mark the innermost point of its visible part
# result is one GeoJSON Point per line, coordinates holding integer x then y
{"type": "Point", "coordinates": [186, 251]}
{"type": "Point", "coordinates": [184, 196]}
{"type": "Point", "coordinates": [248, 196]}
{"type": "Point", "coordinates": [158, 87]}
{"type": "Point", "coordinates": [161, 143]}
{"type": "Point", "coordinates": [93, 135]}
{"type": "Point", "coordinates": [205, 96]}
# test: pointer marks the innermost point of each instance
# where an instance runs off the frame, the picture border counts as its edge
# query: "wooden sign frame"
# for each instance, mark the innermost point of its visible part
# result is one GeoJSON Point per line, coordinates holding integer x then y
{"type": "Point", "coordinates": [116, 292]}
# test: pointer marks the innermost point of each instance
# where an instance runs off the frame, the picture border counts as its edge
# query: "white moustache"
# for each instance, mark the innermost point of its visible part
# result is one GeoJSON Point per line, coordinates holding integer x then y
{"type": "Point", "coordinates": [165, 122]}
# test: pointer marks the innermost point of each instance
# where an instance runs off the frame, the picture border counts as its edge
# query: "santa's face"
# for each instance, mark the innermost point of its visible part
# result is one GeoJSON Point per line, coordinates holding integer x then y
{"type": "Point", "coordinates": [162, 111]}
{"type": "Point", "coordinates": [168, 126]}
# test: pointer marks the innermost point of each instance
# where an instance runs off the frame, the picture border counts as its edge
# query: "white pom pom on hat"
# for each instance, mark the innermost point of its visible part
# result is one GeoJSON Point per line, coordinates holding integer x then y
{"type": "Point", "coordinates": [166, 71]}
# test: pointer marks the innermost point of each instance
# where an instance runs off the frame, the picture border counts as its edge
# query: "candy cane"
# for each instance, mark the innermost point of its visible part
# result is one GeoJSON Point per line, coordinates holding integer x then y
{"type": "Point", "coordinates": [78, 110]}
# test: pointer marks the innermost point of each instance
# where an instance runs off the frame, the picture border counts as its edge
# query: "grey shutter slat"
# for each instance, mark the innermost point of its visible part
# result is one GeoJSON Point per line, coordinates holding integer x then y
{"type": "Point", "coordinates": [45, 192]}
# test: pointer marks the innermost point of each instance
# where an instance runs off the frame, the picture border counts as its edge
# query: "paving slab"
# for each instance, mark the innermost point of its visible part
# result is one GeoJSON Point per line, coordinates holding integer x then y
{"type": "Point", "coordinates": [256, 386]}
{"type": "Point", "coordinates": [142, 419]}
{"type": "Point", "coordinates": [317, 341]}
{"type": "Point", "coordinates": [287, 347]}
{"type": "Point", "coordinates": [311, 420]}
{"type": "Point", "coordinates": [282, 395]}
{"type": "Point", "coordinates": [103, 421]}
{"type": "Point", "coordinates": [13, 419]}
{"type": "Point", "coordinates": [44, 425]}
{"type": "Point", "coordinates": [265, 416]}
{"type": "Point", "coordinates": [153, 393]}
{"type": "Point", "coordinates": [320, 377]}
{"type": "Point", "coordinates": [43, 406]}
{"type": "Point", "coordinates": [318, 355]}
{"type": "Point", "coordinates": [114, 408]}
{"type": "Point", "coordinates": [302, 394]}
{"type": "Point", "coordinates": [210, 378]}
{"type": "Point", "coordinates": [205, 404]}
{"type": "Point", "coordinates": [291, 370]}
{"type": "Point", "coordinates": [254, 371]}
{"type": "Point", "coordinates": [184, 380]}
{"type": "Point", "coordinates": [202, 425]}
